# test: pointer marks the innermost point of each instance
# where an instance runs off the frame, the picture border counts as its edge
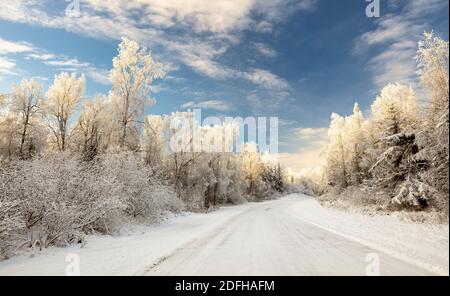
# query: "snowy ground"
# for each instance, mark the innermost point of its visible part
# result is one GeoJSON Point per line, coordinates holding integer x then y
{"type": "Point", "coordinates": [290, 236]}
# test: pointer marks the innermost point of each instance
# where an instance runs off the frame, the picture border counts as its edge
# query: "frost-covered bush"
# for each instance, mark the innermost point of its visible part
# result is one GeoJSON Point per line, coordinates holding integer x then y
{"type": "Point", "coordinates": [141, 189]}
{"type": "Point", "coordinates": [362, 197]}
{"type": "Point", "coordinates": [11, 221]}
{"type": "Point", "coordinates": [413, 194]}
{"type": "Point", "coordinates": [45, 189]}
{"type": "Point", "coordinates": [57, 199]}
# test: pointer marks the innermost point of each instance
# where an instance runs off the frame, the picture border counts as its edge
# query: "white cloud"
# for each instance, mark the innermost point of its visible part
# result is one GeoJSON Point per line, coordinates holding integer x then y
{"type": "Point", "coordinates": [263, 27]}
{"type": "Point", "coordinates": [265, 50]}
{"type": "Point", "coordinates": [201, 15]}
{"type": "Point", "coordinates": [40, 78]}
{"type": "Point", "coordinates": [267, 79]}
{"type": "Point", "coordinates": [70, 64]}
{"type": "Point", "coordinates": [7, 65]}
{"type": "Point", "coordinates": [218, 16]}
{"type": "Point", "coordinates": [204, 29]}
{"type": "Point", "coordinates": [312, 134]}
{"type": "Point", "coordinates": [398, 34]}
{"type": "Point", "coordinates": [267, 100]}
{"type": "Point", "coordinates": [60, 62]}
{"type": "Point", "coordinates": [40, 56]}
{"type": "Point", "coordinates": [156, 88]}
{"type": "Point", "coordinates": [218, 105]}
{"type": "Point", "coordinates": [8, 47]}
{"type": "Point", "coordinates": [98, 75]}
{"type": "Point", "coordinates": [286, 122]}
{"type": "Point", "coordinates": [210, 68]}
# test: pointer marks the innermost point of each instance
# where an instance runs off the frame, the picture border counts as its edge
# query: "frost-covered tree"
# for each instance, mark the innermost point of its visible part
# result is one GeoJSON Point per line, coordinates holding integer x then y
{"type": "Point", "coordinates": [252, 167]}
{"type": "Point", "coordinates": [433, 62]}
{"type": "Point", "coordinates": [26, 100]}
{"type": "Point", "coordinates": [354, 140]}
{"type": "Point", "coordinates": [395, 110]}
{"type": "Point", "coordinates": [9, 127]}
{"type": "Point", "coordinates": [231, 179]}
{"type": "Point", "coordinates": [131, 77]}
{"type": "Point", "coordinates": [216, 142]}
{"type": "Point", "coordinates": [395, 119]}
{"type": "Point", "coordinates": [21, 128]}
{"type": "Point", "coordinates": [62, 100]}
{"type": "Point", "coordinates": [433, 58]}
{"type": "Point", "coordinates": [93, 127]}
{"type": "Point", "coordinates": [273, 176]}
{"type": "Point", "coordinates": [336, 152]}
{"type": "Point", "coordinates": [153, 140]}
{"type": "Point", "coordinates": [311, 181]}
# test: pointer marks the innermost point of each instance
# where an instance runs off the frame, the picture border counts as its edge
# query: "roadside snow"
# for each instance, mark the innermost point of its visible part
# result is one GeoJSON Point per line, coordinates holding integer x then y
{"type": "Point", "coordinates": [122, 255]}
{"type": "Point", "coordinates": [425, 246]}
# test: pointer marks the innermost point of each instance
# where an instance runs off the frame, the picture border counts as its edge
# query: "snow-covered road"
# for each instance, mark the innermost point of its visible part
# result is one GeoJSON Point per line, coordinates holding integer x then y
{"type": "Point", "coordinates": [270, 239]}
{"type": "Point", "coordinates": [290, 236]}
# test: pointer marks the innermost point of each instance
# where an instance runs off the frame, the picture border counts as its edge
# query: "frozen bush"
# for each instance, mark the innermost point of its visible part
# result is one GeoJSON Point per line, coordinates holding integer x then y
{"type": "Point", "coordinates": [140, 188]}
{"type": "Point", "coordinates": [10, 219]}
{"type": "Point", "coordinates": [413, 194]}
{"type": "Point", "coordinates": [57, 199]}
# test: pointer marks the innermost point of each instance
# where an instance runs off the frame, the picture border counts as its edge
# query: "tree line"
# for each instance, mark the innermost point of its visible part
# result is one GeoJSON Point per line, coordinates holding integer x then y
{"type": "Point", "coordinates": [71, 165]}
{"type": "Point", "coordinates": [397, 157]}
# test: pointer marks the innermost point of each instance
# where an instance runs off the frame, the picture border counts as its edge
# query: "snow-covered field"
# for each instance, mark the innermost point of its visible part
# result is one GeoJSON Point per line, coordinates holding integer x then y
{"type": "Point", "coordinates": [290, 236]}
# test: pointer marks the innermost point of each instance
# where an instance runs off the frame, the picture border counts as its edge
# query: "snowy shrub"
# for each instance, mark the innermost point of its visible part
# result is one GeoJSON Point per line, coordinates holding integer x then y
{"type": "Point", "coordinates": [273, 177]}
{"type": "Point", "coordinates": [362, 197]}
{"type": "Point", "coordinates": [11, 221]}
{"type": "Point", "coordinates": [413, 194]}
{"type": "Point", "coordinates": [140, 188]}
{"type": "Point", "coordinates": [57, 199]}
{"type": "Point", "coordinates": [47, 200]}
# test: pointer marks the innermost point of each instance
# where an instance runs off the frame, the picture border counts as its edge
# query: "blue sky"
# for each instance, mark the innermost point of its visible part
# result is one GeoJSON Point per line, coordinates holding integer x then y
{"type": "Point", "coordinates": [299, 60]}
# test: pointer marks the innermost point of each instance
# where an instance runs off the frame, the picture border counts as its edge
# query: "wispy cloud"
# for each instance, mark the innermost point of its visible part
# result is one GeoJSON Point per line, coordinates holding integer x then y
{"type": "Point", "coordinates": [286, 122]}
{"type": "Point", "coordinates": [219, 105]}
{"type": "Point", "coordinates": [398, 35]}
{"type": "Point", "coordinates": [8, 47]}
{"type": "Point", "coordinates": [312, 134]}
{"type": "Point", "coordinates": [40, 78]}
{"type": "Point", "coordinates": [267, 79]}
{"type": "Point", "coordinates": [195, 35]}
{"type": "Point", "coordinates": [7, 66]}
{"type": "Point", "coordinates": [266, 100]}
{"type": "Point", "coordinates": [265, 50]}
{"type": "Point", "coordinates": [67, 63]}
{"type": "Point", "coordinates": [70, 64]}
